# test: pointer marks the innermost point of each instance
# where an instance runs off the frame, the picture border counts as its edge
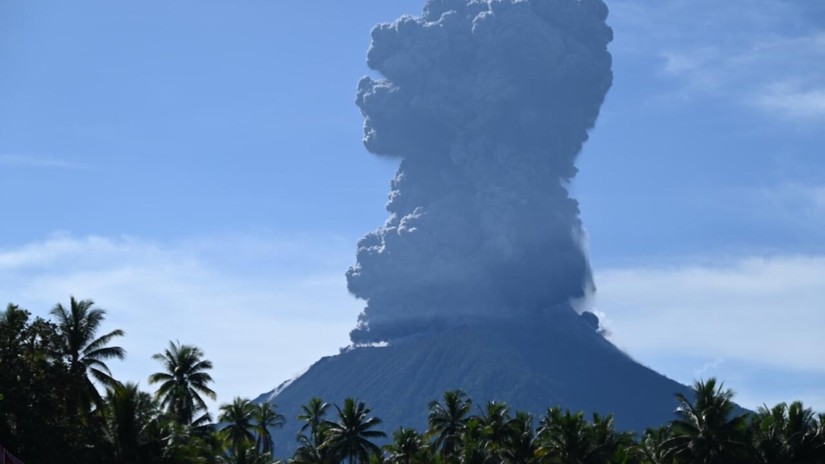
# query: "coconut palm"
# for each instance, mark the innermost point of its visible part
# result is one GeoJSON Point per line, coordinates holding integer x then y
{"type": "Point", "coordinates": [568, 438]}
{"type": "Point", "coordinates": [475, 447]}
{"type": "Point", "coordinates": [650, 447]}
{"type": "Point", "coordinates": [520, 443]}
{"type": "Point", "coordinates": [129, 414]}
{"type": "Point", "coordinates": [265, 417]}
{"type": "Point", "coordinates": [802, 435]}
{"type": "Point", "coordinates": [181, 443]}
{"type": "Point", "coordinates": [349, 437]}
{"type": "Point", "coordinates": [310, 453]}
{"type": "Point", "coordinates": [707, 431]}
{"type": "Point", "coordinates": [787, 434]}
{"type": "Point", "coordinates": [605, 441]}
{"type": "Point", "coordinates": [310, 448]}
{"type": "Point", "coordinates": [182, 382]}
{"type": "Point", "coordinates": [495, 426]}
{"type": "Point", "coordinates": [446, 422]}
{"type": "Point", "coordinates": [407, 447]}
{"type": "Point", "coordinates": [246, 456]}
{"type": "Point", "coordinates": [563, 437]}
{"type": "Point", "coordinates": [84, 352]}
{"type": "Point", "coordinates": [236, 427]}
{"type": "Point", "coordinates": [313, 415]}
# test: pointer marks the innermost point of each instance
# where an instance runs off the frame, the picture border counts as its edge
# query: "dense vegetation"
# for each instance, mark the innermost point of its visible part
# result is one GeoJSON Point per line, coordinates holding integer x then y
{"type": "Point", "coordinates": [60, 403]}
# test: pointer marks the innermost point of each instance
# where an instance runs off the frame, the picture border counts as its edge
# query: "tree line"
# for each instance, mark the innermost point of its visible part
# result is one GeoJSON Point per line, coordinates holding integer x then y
{"type": "Point", "coordinates": [60, 403]}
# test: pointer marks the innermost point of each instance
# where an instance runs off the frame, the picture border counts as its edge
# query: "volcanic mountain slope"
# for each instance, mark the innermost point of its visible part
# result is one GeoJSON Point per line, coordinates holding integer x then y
{"type": "Point", "coordinates": [530, 364]}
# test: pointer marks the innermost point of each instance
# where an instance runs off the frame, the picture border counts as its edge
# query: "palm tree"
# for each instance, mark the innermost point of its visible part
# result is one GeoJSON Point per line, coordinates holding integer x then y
{"type": "Point", "coordinates": [520, 444]}
{"type": "Point", "coordinates": [313, 414]}
{"type": "Point", "coordinates": [182, 383]}
{"type": "Point", "coordinates": [247, 456]}
{"type": "Point", "coordinates": [787, 434]}
{"type": "Point", "coordinates": [310, 453]}
{"type": "Point", "coordinates": [177, 443]}
{"type": "Point", "coordinates": [311, 449]}
{"type": "Point", "coordinates": [802, 436]}
{"type": "Point", "coordinates": [495, 425]}
{"type": "Point", "coordinates": [475, 447]}
{"type": "Point", "coordinates": [650, 447]}
{"type": "Point", "coordinates": [446, 422]}
{"type": "Point", "coordinates": [349, 437]}
{"type": "Point", "coordinates": [563, 438]}
{"type": "Point", "coordinates": [605, 442]}
{"type": "Point", "coordinates": [266, 418]}
{"type": "Point", "coordinates": [407, 447]}
{"type": "Point", "coordinates": [707, 431]}
{"type": "Point", "coordinates": [236, 428]}
{"type": "Point", "coordinates": [569, 439]}
{"type": "Point", "coordinates": [84, 352]}
{"type": "Point", "coordinates": [128, 413]}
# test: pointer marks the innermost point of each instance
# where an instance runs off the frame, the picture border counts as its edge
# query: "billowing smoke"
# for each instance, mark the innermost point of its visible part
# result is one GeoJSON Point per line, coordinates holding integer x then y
{"type": "Point", "coordinates": [487, 103]}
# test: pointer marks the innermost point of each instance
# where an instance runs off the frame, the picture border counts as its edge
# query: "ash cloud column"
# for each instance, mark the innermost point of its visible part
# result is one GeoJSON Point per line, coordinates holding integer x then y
{"type": "Point", "coordinates": [487, 104]}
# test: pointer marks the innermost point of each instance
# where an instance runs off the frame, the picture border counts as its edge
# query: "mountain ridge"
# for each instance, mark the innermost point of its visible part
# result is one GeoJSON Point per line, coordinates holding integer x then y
{"type": "Point", "coordinates": [531, 364]}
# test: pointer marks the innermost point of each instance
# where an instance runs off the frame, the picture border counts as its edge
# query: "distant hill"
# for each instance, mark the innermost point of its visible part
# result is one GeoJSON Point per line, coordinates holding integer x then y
{"type": "Point", "coordinates": [531, 364]}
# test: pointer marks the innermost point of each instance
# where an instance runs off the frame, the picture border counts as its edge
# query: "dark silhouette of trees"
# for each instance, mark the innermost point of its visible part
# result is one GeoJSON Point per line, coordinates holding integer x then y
{"type": "Point", "coordinates": [310, 449]}
{"type": "Point", "coordinates": [707, 430]}
{"type": "Point", "coordinates": [407, 447]}
{"type": "Point", "coordinates": [520, 445]}
{"type": "Point", "coordinates": [447, 422]}
{"type": "Point", "coordinates": [129, 415]}
{"type": "Point", "coordinates": [787, 434]}
{"type": "Point", "coordinates": [236, 427]}
{"type": "Point", "coordinates": [85, 352]}
{"type": "Point", "coordinates": [266, 417]}
{"type": "Point", "coordinates": [51, 411]}
{"type": "Point", "coordinates": [350, 437]}
{"type": "Point", "coordinates": [184, 382]}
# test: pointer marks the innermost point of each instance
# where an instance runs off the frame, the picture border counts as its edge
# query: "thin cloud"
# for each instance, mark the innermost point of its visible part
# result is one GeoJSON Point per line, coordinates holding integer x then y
{"type": "Point", "coordinates": [708, 368]}
{"type": "Point", "coordinates": [752, 316]}
{"type": "Point", "coordinates": [803, 204]}
{"type": "Point", "coordinates": [793, 101]}
{"type": "Point", "coordinates": [758, 309]}
{"type": "Point", "coordinates": [761, 55]}
{"type": "Point", "coordinates": [15, 160]}
{"type": "Point", "coordinates": [258, 323]}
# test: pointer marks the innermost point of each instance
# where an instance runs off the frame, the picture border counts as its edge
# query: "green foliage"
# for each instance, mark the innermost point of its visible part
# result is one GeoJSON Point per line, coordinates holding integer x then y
{"type": "Point", "coordinates": [266, 417]}
{"type": "Point", "coordinates": [313, 415]}
{"type": "Point", "coordinates": [567, 438]}
{"type": "Point", "coordinates": [236, 429]}
{"type": "Point", "coordinates": [407, 447]}
{"type": "Point", "coordinates": [707, 431]}
{"type": "Point", "coordinates": [350, 437]}
{"type": "Point", "coordinates": [129, 415]}
{"type": "Point", "coordinates": [51, 411]}
{"type": "Point", "coordinates": [36, 422]}
{"type": "Point", "coordinates": [447, 422]}
{"type": "Point", "coordinates": [520, 445]}
{"type": "Point", "coordinates": [84, 352]}
{"type": "Point", "coordinates": [310, 449]}
{"type": "Point", "coordinates": [787, 433]}
{"type": "Point", "coordinates": [182, 382]}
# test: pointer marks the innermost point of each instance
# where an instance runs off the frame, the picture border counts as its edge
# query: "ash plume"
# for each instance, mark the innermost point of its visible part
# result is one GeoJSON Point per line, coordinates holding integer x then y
{"type": "Point", "coordinates": [487, 103]}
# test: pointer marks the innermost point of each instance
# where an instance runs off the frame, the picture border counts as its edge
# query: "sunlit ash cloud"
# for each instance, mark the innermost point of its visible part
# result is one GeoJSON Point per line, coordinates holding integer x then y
{"type": "Point", "coordinates": [487, 104]}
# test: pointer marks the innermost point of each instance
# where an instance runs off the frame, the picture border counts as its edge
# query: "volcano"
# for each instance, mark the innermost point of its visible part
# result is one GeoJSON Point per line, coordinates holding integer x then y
{"type": "Point", "coordinates": [469, 283]}
{"type": "Point", "coordinates": [531, 364]}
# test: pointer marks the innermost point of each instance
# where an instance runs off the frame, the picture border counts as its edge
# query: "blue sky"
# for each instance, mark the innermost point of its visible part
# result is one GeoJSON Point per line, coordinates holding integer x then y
{"type": "Point", "coordinates": [196, 168]}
